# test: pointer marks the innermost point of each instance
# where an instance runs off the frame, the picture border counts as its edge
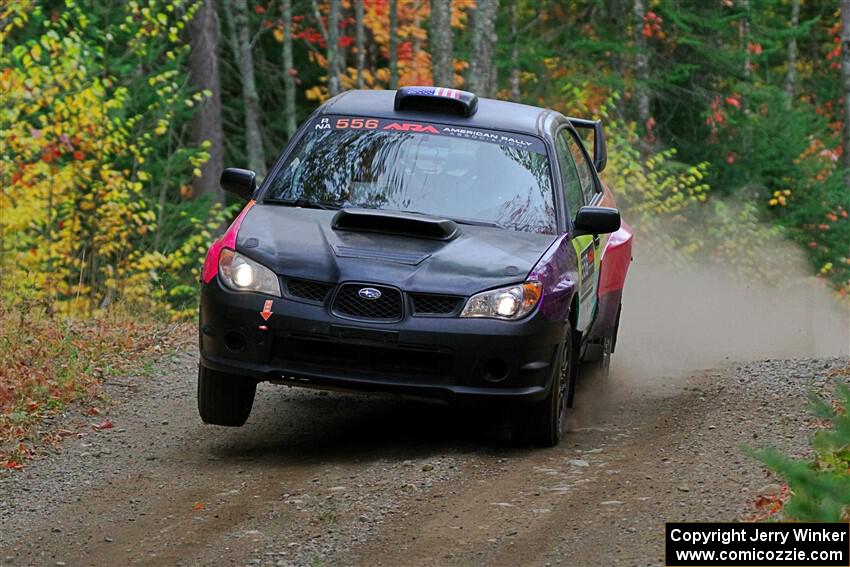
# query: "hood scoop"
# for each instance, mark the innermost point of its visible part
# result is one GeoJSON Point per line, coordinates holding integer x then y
{"type": "Point", "coordinates": [396, 223]}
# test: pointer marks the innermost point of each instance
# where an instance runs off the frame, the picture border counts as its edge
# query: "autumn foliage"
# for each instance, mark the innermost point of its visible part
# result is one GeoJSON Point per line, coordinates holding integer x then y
{"type": "Point", "coordinates": [720, 140]}
{"type": "Point", "coordinates": [81, 158]}
{"type": "Point", "coordinates": [48, 363]}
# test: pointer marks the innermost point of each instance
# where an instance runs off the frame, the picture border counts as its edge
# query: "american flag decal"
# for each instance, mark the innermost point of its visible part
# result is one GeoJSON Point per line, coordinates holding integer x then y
{"type": "Point", "coordinates": [448, 93]}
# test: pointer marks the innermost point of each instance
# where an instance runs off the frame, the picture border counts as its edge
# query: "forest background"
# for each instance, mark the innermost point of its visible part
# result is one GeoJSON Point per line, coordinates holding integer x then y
{"type": "Point", "coordinates": [728, 124]}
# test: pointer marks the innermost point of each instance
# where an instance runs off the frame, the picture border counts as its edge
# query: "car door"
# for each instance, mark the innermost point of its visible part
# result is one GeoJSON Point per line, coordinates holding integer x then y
{"type": "Point", "coordinates": [579, 185]}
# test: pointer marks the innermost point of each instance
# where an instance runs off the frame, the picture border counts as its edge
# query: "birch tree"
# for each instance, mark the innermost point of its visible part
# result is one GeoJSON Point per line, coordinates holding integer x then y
{"type": "Point", "coordinates": [359, 41]}
{"type": "Point", "coordinates": [845, 85]}
{"type": "Point", "coordinates": [514, 78]}
{"type": "Point", "coordinates": [442, 43]}
{"type": "Point", "coordinates": [237, 12]}
{"type": "Point", "coordinates": [791, 75]}
{"type": "Point", "coordinates": [204, 76]}
{"type": "Point", "coordinates": [393, 48]}
{"type": "Point", "coordinates": [481, 73]}
{"type": "Point", "coordinates": [289, 69]}
{"type": "Point", "coordinates": [333, 47]}
{"type": "Point", "coordinates": [641, 63]}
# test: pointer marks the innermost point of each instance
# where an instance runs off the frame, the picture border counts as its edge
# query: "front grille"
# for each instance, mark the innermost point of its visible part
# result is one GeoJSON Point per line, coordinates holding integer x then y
{"type": "Point", "coordinates": [349, 303]}
{"type": "Point", "coordinates": [308, 290]}
{"type": "Point", "coordinates": [400, 360]}
{"type": "Point", "coordinates": [428, 304]}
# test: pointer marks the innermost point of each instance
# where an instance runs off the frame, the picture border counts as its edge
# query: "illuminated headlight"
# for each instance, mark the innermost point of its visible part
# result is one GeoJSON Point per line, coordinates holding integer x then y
{"type": "Point", "coordinates": [243, 274]}
{"type": "Point", "coordinates": [512, 302]}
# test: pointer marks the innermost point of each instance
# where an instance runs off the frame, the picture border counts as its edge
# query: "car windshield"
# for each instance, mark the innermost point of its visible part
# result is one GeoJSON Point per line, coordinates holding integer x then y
{"type": "Point", "coordinates": [463, 174]}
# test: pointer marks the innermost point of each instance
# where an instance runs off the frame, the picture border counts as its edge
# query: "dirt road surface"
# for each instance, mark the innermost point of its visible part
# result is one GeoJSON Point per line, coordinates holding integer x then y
{"type": "Point", "coordinates": [336, 479]}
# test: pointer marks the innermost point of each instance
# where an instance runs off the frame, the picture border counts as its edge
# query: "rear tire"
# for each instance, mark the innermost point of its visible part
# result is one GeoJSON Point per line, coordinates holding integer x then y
{"type": "Point", "coordinates": [597, 357]}
{"type": "Point", "coordinates": [598, 362]}
{"type": "Point", "coordinates": [543, 423]}
{"type": "Point", "coordinates": [224, 399]}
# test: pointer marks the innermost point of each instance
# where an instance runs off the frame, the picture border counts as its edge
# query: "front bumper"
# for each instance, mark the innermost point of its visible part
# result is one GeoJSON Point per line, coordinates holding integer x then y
{"type": "Point", "coordinates": [436, 357]}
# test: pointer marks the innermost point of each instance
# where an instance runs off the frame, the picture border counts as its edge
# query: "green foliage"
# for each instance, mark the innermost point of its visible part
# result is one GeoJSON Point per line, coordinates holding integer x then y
{"type": "Point", "coordinates": [93, 109]}
{"type": "Point", "coordinates": [820, 488]}
{"type": "Point", "coordinates": [671, 205]}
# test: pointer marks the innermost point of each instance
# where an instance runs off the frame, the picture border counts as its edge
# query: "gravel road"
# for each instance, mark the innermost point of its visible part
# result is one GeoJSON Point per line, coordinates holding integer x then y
{"type": "Point", "coordinates": [336, 479]}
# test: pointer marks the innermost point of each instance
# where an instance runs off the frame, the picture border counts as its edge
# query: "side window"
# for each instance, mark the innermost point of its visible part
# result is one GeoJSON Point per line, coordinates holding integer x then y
{"type": "Point", "coordinates": [585, 173]}
{"type": "Point", "coordinates": [569, 175]}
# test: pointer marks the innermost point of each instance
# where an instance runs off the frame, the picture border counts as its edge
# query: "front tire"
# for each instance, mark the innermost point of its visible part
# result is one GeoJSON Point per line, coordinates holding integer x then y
{"type": "Point", "coordinates": [543, 423]}
{"type": "Point", "coordinates": [224, 399]}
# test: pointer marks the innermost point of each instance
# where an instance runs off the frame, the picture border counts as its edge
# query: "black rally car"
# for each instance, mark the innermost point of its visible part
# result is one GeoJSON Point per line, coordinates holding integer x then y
{"type": "Point", "coordinates": [423, 242]}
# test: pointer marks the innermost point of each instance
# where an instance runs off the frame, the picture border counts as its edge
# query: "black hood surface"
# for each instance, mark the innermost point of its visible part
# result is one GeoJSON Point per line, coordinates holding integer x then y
{"type": "Point", "coordinates": [301, 243]}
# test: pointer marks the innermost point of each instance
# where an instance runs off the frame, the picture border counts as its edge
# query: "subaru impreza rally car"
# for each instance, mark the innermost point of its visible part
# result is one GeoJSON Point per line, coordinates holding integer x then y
{"type": "Point", "coordinates": [424, 242]}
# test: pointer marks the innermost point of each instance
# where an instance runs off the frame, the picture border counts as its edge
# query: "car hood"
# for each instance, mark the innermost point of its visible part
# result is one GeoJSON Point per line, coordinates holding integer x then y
{"type": "Point", "coordinates": [301, 243]}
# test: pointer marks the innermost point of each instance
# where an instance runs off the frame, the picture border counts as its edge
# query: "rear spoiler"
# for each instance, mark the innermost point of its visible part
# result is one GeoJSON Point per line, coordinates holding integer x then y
{"type": "Point", "coordinates": [600, 148]}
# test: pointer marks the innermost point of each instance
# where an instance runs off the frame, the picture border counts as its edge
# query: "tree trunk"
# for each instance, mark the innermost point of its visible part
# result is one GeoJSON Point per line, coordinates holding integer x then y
{"type": "Point", "coordinates": [393, 4]}
{"type": "Point", "coordinates": [744, 32]}
{"type": "Point", "coordinates": [641, 64]}
{"type": "Point", "coordinates": [289, 70]}
{"type": "Point", "coordinates": [333, 47]}
{"type": "Point", "coordinates": [359, 41]}
{"type": "Point", "coordinates": [845, 85]}
{"type": "Point", "coordinates": [515, 51]}
{"type": "Point", "coordinates": [791, 76]}
{"type": "Point", "coordinates": [238, 15]}
{"type": "Point", "coordinates": [483, 39]}
{"type": "Point", "coordinates": [442, 44]}
{"type": "Point", "coordinates": [203, 75]}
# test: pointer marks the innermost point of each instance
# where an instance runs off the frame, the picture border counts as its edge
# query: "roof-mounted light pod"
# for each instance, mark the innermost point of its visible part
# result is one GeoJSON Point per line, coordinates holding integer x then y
{"type": "Point", "coordinates": [436, 99]}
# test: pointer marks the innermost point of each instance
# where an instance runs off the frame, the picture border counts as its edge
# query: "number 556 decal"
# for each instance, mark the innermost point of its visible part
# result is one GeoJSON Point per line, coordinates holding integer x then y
{"type": "Point", "coordinates": [356, 123]}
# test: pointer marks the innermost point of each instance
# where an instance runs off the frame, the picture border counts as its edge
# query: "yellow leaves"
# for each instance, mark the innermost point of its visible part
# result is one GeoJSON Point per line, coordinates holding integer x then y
{"type": "Point", "coordinates": [317, 93]}
{"type": "Point", "coordinates": [780, 198]}
{"type": "Point", "coordinates": [73, 153]}
{"type": "Point", "coordinates": [278, 34]}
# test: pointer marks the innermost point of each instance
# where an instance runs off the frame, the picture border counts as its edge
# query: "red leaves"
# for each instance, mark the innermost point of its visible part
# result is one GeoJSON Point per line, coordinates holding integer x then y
{"type": "Point", "coordinates": [770, 504]}
{"type": "Point", "coordinates": [652, 26]}
{"type": "Point", "coordinates": [755, 48]}
{"type": "Point", "coordinates": [733, 100]}
{"type": "Point", "coordinates": [79, 155]}
{"type": "Point", "coordinates": [105, 424]}
{"type": "Point", "coordinates": [310, 35]}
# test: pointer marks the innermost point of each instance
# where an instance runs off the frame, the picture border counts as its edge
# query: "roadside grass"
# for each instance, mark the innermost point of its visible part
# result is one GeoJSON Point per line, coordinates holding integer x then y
{"type": "Point", "coordinates": [51, 366]}
{"type": "Point", "coordinates": [816, 489]}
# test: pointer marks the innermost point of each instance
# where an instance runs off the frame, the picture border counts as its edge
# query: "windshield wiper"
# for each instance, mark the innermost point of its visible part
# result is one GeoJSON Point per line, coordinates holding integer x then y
{"type": "Point", "coordinates": [303, 203]}
{"type": "Point", "coordinates": [459, 220]}
{"type": "Point", "coordinates": [476, 222]}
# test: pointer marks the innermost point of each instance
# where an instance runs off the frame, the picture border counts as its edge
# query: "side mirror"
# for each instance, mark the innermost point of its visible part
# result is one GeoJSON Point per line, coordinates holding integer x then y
{"type": "Point", "coordinates": [597, 220]}
{"type": "Point", "coordinates": [240, 182]}
{"type": "Point", "coordinates": [600, 146]}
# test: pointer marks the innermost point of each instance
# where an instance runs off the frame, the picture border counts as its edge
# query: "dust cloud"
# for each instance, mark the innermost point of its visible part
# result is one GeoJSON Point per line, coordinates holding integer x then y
{"type": "Point", "coordinates": [680, 319]}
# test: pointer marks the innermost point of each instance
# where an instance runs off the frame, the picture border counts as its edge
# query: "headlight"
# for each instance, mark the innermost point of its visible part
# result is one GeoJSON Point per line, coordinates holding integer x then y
{"type": "Point", "coordinates": [243, 274]}
{"type": "Point", "coordinates": [512, 302]}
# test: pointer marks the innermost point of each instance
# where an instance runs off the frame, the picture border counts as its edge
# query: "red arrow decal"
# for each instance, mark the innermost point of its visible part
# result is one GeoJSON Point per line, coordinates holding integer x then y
{"type": "Point", "coordinates": [267, 310]}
